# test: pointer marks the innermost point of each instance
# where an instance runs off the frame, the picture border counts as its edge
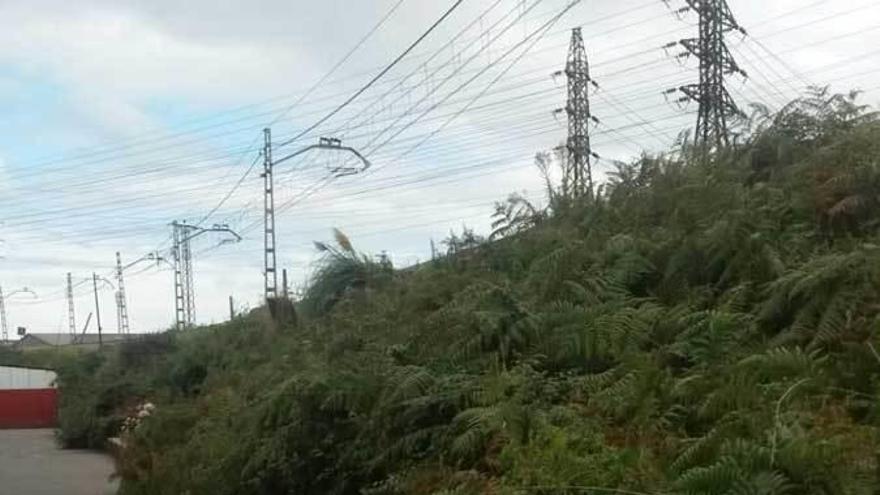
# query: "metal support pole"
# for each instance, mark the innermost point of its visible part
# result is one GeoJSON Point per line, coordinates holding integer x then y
{"type": "Point", "coordinates": [179, 311]}
{"type": "Point", "coordinates": [97, 309]}
{"type": "Point", "coordinates": [270, 271]}
{"type": "Point", "coordinates": [188, 279]}
{"type": "Point", "coordinates": [184, 281]}
{"type": "Point", "coordinates": [4, 326]}
{"type": "Point", "coordinates": [231, 309]}
{"type": "Point", "coordinates": [284, 287]}
{"type": "Point", "coordinates": [121, 304]}
{"type": "Point", "coordinates": [71, 315]}
{"type": "Point", "coordinates": [269, 255]}
{"type": "Point", "coordinates": [118, 312]}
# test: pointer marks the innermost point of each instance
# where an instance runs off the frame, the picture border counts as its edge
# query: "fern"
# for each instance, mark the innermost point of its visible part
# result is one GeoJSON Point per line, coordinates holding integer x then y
{"type": "Point", "coordinates": [717, 478]}
{"type": "Point", "coordinates": [784, 363]}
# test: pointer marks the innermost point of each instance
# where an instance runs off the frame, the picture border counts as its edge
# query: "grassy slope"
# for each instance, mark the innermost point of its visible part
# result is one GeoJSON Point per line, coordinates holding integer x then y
{"type": "Point", "coordinates": [703, 328]}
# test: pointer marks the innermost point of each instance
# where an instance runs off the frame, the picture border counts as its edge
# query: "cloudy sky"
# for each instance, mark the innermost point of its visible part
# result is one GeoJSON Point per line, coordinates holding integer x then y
{"type": "Point", "coordinates": [118, 117]}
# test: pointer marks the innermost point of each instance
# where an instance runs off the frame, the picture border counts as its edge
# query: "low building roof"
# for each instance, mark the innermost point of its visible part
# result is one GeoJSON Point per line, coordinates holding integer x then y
{"type": "Point", "coordinates": [59, 339]}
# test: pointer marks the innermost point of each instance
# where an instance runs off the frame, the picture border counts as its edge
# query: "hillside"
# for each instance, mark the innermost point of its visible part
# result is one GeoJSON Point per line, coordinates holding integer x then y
{"type": "Point", "coordinates": [704, 325]}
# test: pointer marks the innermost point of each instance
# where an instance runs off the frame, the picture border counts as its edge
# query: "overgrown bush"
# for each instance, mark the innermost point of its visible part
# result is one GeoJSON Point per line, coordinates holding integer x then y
{"type": "Point", "coordinates": [699, 326]}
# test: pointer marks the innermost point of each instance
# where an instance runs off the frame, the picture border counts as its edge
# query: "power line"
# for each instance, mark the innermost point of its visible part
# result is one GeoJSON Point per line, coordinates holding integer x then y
{"type": "Point", "coordinates": [378, 76]}
{"type": "Point", "coordinates": [305, 95]}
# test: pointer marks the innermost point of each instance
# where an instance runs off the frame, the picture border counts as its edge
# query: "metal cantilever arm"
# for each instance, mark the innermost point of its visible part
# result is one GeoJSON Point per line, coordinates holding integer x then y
{"type": "Point", "coordinates": [344, 171]}
{"type": "Point", "coordinates": [23, 290]}
{"type": "Point", "coordinates": [154, 256]}
{"type": "Point", "coordinates": [106, 281]}
{"type": "Point", "coordinates": [215, 228]}
{"type": "Point", "coordinates": [327, 146]}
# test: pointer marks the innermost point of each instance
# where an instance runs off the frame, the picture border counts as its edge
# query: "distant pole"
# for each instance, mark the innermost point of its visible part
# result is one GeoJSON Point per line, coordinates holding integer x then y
{"type": "Point", "coordinates": [188, 279]}
{"type": "Point", "coordinates": [231, 309]}
{"type": "Point", "coordinates": [3, 325]}
{"type": "Point", "coordinates": [270, 273]}
{"type": "Point", "coordinates": [184, 285]}
{"type": "Point", "coordinates": [179, 291]}
{"type": "Point", "coordinates": [121, 305]}
{"type": "Point", "coordinates": [284, 281]}
{"type": "Point", "coordinates": [71, 315]}
{"type": "Point", "coordinates": [97, 309]}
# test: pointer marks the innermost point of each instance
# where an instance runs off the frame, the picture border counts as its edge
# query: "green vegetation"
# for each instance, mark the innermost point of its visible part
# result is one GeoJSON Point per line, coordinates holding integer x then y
{"type": "Point", "coordinates": [706, 324]}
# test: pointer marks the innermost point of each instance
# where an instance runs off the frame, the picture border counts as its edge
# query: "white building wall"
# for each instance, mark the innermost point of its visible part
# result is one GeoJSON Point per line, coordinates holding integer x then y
{"type": "Point", "coordinates": [13, 378]}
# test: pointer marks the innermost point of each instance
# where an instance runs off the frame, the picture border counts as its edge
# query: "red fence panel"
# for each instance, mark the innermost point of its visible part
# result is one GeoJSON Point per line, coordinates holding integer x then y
{"type": "Point", "coordinates": [32, 408]}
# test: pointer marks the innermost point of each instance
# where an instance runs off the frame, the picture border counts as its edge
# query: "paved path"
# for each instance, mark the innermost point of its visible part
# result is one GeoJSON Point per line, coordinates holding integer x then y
{"type": "Point", "coordinates": [32, 464]}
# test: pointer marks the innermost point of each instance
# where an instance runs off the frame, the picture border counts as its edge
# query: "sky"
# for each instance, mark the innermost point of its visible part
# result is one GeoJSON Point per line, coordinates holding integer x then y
{"type": "Point", "coordinates": [118, 117]}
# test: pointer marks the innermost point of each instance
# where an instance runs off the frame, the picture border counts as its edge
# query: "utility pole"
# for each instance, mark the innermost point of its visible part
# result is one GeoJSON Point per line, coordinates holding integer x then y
{"type": "Point", "coordinates": [121, 305]}
{"type": "Point", "coordinates": [4, 326]}
{"type": "Point", "coordinates": [184, 282]}
{"type": "Point", "coordinates": [97, 309]}
{"type": "Point", "coordinates": [285, 292]}
{"type": "Point", "coordinates": [578, 170]}
{"type": "Point", "coordinates": [4, 323]}
{"type": "Point", "coordinates": [180, 316]}
{"type": "Point", "coordinates": [231, 309]}
{"type": "Point", "coordinates": [188, 279]}
{"type": "Point", "coordinates": [270, 271]}
{"type": "Point", "coordinates": [71, 315]}
{"type": "Point", "coordinates": [716, 106]}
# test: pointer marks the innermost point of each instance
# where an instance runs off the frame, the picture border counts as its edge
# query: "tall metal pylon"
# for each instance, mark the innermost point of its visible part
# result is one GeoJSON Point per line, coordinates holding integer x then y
{"type": "Point", "coordinates": [4, 326]}
{"type": "Point", "coordinates": [270, 270]}
{"type": "Point", "coordinates": [188, 279]}
{"type": "Point", "coordinates": [184, 282]}
{"type": "Point", "coordinates": [184, 285]}
{"type": "Point", "coordinates": [71, 314]}
{"type": "Point", "coordinates": [121, 304]}
{"type": "Point", "coordinates": [180, 315]}
{"type": "Point", "coordinates": [716, 106]}
{"type": "Point", "coordinates": [578, 170]}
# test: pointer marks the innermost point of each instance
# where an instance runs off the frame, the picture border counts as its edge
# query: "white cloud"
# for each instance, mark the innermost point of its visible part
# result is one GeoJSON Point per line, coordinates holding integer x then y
{"type": "Point", "coordinates": [123, 54]}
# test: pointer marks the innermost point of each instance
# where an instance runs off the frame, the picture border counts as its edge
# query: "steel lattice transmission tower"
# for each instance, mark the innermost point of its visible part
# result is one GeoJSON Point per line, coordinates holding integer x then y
{"type": "Point", "coordinates": [578, 171]}
{"type": "Point", "coordinates": [121, 305]}
{"type": "Point", "coordinates": [71, 314]}
{"type": "Point", "coordinates": [716, 106]}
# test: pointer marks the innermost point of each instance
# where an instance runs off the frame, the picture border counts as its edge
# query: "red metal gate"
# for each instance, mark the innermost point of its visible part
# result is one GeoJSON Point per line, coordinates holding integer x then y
{"type": "Point", "coordinates": [34, 408]}
{"type": "Point", "coordinates": [28, 398]}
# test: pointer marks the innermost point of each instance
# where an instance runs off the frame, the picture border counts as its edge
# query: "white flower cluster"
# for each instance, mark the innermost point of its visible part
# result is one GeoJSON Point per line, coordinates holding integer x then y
{"type": "Point", "coordinates": [133, 421]}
